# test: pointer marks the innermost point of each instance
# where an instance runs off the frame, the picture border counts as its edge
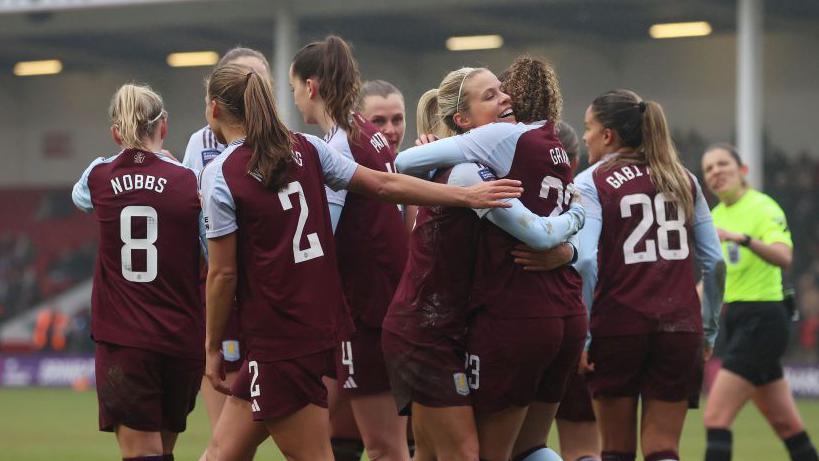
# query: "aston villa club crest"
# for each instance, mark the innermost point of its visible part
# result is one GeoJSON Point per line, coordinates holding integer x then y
{"type": "Point", "coordinates": [139, 157]}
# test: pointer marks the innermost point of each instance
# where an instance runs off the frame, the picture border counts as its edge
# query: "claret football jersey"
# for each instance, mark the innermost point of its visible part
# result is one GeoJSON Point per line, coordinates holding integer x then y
{"type": "Point", "coordinates": [371, 237]}
{"type": "Point", "coordinates": [145, 291]}
{"type": "Point", "coordinates": [289, 292]}
{"type": "Point", "coordinates": [533, 155]}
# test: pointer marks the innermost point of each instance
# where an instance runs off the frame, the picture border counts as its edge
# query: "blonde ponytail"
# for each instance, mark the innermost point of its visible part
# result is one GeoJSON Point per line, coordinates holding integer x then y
{"type": "Point", "coordinates": [427, 119]}
{"type": "Point", "coordinates": [136, 111]}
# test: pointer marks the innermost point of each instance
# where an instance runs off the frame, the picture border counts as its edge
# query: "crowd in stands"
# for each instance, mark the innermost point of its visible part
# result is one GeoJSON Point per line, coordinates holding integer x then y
{"type": "Point", "coordinates": [46, 247]}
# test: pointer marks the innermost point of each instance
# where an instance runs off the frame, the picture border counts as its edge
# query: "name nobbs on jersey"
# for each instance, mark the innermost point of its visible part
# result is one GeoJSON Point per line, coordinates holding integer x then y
{"type": "Point", "coordinates": [128, 182]}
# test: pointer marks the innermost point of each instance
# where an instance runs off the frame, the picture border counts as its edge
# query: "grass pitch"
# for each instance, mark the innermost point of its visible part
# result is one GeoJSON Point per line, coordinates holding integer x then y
{"type": "Point", "coordinates": [57, 424]}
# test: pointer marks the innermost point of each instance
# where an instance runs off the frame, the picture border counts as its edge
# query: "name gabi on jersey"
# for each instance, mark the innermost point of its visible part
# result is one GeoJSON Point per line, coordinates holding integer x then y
{"type": "Point", "coordinates": [623, 174]}
{"type": "Point", "coordinates": [559, 156]}
{"type": "Point", "coordinates": [128, 182]}
{"type": "Point", "coordinates": [379, 141]}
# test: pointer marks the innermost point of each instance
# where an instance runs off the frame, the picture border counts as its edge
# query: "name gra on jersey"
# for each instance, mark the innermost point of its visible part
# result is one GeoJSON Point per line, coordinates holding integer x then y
{"type": "Point", "coordinates": [379, 141]}
{"type": "Point", "coordinates": [559, 156]}
{"type": "Point", "coordinates": [129, 182]}
{"type": "Point", "coordinates": [623, 174]}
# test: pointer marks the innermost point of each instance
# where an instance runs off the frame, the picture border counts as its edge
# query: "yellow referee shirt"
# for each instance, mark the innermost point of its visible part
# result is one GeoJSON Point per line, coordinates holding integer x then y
{"type": "Point", "coordinates": [749, 277]}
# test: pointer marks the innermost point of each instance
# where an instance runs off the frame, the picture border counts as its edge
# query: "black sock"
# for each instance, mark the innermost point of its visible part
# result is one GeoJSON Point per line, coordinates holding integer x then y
{"type": "Point", "coordinates": [800, 448]}
{"type": "Point", "coordinates": [347, 449]}
{"type": "Point", "coordinates": [662, 456]}
{"type": "Point", "coordinates": [617, 456]}
{"type": "Point", "coordinates": [718, 445]}
{"type": "Point", "coordinates": [168, 457]}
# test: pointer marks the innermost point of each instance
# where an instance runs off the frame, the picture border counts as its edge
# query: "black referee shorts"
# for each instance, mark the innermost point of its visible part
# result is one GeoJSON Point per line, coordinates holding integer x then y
{"type": "Point", "coordinates": [754, 336]}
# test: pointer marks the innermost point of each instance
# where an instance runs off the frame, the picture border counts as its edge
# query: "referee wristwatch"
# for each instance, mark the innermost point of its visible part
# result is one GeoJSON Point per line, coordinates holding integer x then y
{"type": "Point", "coordinates": [746, 241]}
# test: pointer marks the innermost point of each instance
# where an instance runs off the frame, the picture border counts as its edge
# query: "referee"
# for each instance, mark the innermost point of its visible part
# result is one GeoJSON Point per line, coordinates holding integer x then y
{"type": "Point", "coordinates": [756, 245]}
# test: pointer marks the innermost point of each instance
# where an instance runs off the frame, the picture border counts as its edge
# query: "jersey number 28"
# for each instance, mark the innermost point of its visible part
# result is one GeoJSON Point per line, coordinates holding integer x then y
{"type": "Point", "coordinates": [632, 256]}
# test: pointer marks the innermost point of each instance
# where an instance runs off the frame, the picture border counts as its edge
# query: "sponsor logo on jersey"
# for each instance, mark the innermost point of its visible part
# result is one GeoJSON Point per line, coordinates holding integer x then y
{"type": "Point", "coordinates": [139, 157]}
{"type": "Point", "coordinates": [350, 383]}
{"type": "Point", "coordinates": [461, 384]}
{"type": "Point", "coordinates": [486, 174]}
{"type": "Point", "coordinates": [230, 350]}
{"type": "Point", "coordinates": [208, 155]}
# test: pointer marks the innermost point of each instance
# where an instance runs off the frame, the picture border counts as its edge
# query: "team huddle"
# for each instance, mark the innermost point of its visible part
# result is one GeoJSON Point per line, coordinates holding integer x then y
{"type": "Point", "coordinates": [480, 294]}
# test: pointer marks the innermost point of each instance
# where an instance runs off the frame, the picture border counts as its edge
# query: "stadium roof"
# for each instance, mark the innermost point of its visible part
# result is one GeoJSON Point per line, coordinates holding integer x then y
{"type": "Point", "coordinates": [144, 31]}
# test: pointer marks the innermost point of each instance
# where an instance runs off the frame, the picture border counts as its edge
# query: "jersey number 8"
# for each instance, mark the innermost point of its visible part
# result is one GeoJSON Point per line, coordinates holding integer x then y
{"type": "Point", "coordinates": [632, 256]}
{"type": "Point", "coordinates": [129, 244]}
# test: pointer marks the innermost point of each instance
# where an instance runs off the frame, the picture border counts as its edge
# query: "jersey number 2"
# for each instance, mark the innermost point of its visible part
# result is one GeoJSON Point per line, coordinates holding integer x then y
{"type": "Point", "coordinates": [129, 244]}
{"type": "Point", "coordinates": [633, 256]}
{"type": "Point", "coordinates": [314, 249]}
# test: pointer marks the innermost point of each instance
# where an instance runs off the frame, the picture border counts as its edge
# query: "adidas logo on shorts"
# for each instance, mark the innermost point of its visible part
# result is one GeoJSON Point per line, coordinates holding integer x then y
{"type": "Point", "coordinates": [350, 383]}
{"type": "Point", "coordinates": [254, 405]}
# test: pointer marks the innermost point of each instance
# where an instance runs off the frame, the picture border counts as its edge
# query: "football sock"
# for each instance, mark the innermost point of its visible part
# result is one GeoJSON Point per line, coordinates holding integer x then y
{"type": "Point", "coordinates": [347, 449]}
{"type": "Point", "coordinates": [718, 445]}
{"type": "Point", "coordinates": [800, 447]}
{"type": "Point", "coordinates": [668, 455]}
{"type": "Point", "coordinates": [618, 456]}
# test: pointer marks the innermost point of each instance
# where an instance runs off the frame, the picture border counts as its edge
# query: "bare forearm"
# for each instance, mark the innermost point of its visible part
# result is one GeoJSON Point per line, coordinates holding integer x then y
{"type": "Point", "coordinates": [777, 254]}
{"type": "Point", "coordinates": [401, 188]}
{"type": "Point", "coordinates": [219, 294]}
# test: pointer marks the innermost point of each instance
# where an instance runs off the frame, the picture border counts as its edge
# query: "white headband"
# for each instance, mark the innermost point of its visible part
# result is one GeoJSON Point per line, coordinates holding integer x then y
{"type": "Point", "coordinates": [461, 88]}
{"type": "Point", "coordinates": [161, 113]}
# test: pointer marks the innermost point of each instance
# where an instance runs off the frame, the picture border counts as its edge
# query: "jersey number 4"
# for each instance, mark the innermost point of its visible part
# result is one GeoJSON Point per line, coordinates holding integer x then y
{"type": "Point", "coordinates": [314, 249]}
{"type": "Point", "coordinates": [129, 243]}
{"type": "Point", "coordinates": [632, 256]}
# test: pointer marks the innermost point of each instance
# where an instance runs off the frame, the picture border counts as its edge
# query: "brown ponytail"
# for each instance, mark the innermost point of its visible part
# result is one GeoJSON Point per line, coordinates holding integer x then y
{"type": "Point", "coordinates": [331, 62]}
{"type": "Point", "coordinates": [642, 126]}
{"type": "Point", "coordinates": [248, 98]}
{"type": "Point", "coordinates": [535, 91]}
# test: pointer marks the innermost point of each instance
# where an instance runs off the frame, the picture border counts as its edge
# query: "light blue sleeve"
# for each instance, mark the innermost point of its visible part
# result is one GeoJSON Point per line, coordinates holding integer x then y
{"type": "Point", "coordinates": [335, 214]}
{"type": "Point", "coordinates": [538, 232]}
{"type": "Point", "coordinates": [493, 145]}
{"type": "Point", "coordinates": [589, 236]}
{"type": "Point", "coordinates": [81, 194]}
{"type": "Point", "coordinates": [193, 152]}
{"type": "Point", "coordinates": [218, 206]}
{"type": "Point", "coordinates": [708, 253]}
{"type": "Point", "coordinates": [419, 161]}
{"type": "Point", "coordinates": [338, 169]}
{"type": "Point", "coordinates": [203, 239]}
